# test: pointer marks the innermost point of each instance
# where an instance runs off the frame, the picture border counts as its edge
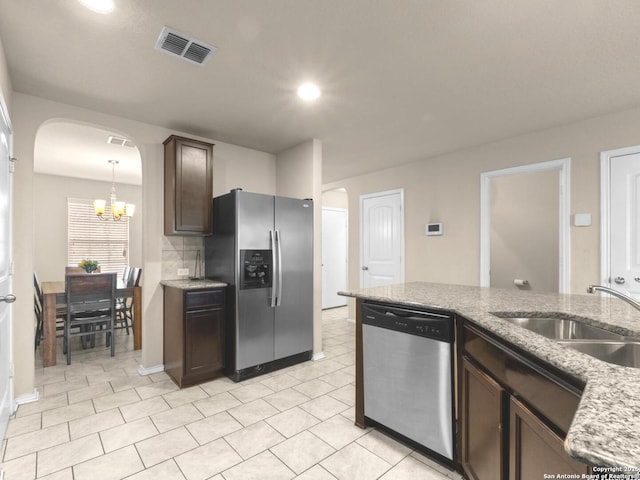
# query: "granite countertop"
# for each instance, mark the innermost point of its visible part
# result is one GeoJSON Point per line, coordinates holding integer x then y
{"type": "Point", "coordinates": [606, 427]}
{"type": "Point", "coordinates": [188, 284]}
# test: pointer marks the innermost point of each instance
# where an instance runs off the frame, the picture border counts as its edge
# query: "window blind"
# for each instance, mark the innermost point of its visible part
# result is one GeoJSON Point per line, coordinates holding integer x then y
{"type": "Point", "coordinates": [90, 238]}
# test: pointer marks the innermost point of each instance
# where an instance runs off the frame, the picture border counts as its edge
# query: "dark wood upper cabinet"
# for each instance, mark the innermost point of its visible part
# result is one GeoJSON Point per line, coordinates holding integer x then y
{"type": "Point", "coordinates": [188, 186]}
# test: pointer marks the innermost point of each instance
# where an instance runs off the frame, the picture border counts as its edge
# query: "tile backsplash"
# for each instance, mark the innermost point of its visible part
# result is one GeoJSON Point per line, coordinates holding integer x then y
{"type": "Point", "coordinates": [181, 252]}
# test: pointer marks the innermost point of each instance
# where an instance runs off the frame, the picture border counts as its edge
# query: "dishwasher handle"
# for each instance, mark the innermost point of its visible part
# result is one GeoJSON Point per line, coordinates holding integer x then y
{"type": "Point", "coordinates": [393, 311]}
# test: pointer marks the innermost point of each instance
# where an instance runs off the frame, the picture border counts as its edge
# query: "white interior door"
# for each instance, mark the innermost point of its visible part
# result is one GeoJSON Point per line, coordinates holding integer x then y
{"type": "Point", "coordinates": [6, 391]}
{"type": "Point", "coordinates": [625, 224]}
{"type": "Point", "coordinates": [382, 238]}
{"type": "Point", "coordinates": [334, 256]}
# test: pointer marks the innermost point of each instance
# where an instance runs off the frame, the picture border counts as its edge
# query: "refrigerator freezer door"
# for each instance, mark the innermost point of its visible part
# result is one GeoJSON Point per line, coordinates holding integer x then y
{"type": "Point", "coordinates": [255, 220]}
{"type": "Point", "coordinates": [294, 315]}
{"type": "Point", "coordinates": [254, 328]}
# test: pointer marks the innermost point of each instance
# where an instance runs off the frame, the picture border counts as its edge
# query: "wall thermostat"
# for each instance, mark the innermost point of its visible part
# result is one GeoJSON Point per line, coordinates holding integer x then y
{"type": "Point", "coordinates": [582, 220]}
{"type": "Point", "coordinates": [433, 229]}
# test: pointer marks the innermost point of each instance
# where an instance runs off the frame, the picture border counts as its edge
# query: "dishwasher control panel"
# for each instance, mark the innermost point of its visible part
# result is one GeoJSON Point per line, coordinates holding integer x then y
{"type": "Point", "coordinates": [431, 324]}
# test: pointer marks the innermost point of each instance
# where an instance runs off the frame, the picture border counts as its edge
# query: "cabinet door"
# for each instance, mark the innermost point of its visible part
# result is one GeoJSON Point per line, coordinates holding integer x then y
{"type": "Point", "coordinates": [204, 341]}
{"type": "Point", "coordinates": [482, 404]}
{"type": "Point", "coordinates": [188, 186]}
{"type": "Point", "coordinates": [534, 449]}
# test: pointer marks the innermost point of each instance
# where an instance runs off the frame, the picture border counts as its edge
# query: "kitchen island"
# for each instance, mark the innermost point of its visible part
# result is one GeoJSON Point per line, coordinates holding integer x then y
{"type": "Point", "coordinates": [606, 427]}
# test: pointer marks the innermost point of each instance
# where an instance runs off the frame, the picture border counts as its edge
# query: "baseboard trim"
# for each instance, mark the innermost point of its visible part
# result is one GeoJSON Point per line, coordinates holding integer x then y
{"type": "Point", "coordinates": [318, 356]}
{"type": "Point", "coordinates": [150, 370]}
{"type": "Point", "coordinates": [27, 398]}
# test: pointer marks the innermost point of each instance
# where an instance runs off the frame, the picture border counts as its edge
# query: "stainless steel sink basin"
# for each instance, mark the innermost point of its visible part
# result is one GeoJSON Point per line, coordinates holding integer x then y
{"type": "Point", "coordinates": [562, 328]}
{"type": "Point", "coordinates": [626, 353]}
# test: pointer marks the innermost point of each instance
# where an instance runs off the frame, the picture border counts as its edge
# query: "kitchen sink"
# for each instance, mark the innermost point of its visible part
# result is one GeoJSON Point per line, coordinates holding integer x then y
{"type": "Point", "coordinates": [625, 353]}
{"type": "Point", "coordinates": [562, 328]}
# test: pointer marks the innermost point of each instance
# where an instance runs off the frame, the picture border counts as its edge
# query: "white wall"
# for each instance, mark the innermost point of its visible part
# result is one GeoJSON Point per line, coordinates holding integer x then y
{"type": "Point", "coordinates": [299, 175]}
{"type": "Point", "coordinates": [446, 188]}
{"type": "Point", "coordinates": [257, 168]}
{"type": "Point", "coordinates": [239, 167]}
{"type": "Point", "coordinates": [6, 91]}
{"type": "Point", "coordinates": [335, 199]}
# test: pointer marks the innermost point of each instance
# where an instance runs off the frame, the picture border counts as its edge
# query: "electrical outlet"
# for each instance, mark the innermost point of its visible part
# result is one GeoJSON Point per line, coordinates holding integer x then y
{"type": "Point", "coordinates": [183, 271]}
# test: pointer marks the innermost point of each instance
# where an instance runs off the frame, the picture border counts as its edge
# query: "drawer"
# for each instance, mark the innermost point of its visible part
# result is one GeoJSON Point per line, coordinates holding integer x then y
{"type": "Point", "coordinates": [550, 395]}
{"type": "Point", "coordinates": [204, 298]}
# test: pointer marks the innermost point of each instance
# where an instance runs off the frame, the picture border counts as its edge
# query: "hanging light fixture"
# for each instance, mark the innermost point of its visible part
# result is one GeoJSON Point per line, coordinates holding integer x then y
{"type": "Point", "coordinates": [118, 209]}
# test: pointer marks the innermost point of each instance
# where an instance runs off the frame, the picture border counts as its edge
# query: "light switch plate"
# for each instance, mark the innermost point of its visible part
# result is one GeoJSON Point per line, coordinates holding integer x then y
{"type": "Point", "coordinates": [183, 271]}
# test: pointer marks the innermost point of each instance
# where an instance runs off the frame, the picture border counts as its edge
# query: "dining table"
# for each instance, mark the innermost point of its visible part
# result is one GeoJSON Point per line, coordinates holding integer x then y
{"type": "Point", "coordinates": [54, 295]}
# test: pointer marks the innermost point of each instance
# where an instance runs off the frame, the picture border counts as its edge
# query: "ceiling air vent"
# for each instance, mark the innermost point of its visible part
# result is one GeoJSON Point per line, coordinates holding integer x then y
{"type": "Point", "coordinates": [184, 46]}
{"type": "Point", "coordinates": [123, 142]}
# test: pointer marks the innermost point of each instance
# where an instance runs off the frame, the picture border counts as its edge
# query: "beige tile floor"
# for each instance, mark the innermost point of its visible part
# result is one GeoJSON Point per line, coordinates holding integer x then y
{"type": "Point", "coordinates": [99, 419]}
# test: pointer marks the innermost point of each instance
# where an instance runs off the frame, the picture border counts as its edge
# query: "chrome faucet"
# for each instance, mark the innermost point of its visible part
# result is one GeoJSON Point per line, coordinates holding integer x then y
{"type": "Point", "coordinates": [630, 300]}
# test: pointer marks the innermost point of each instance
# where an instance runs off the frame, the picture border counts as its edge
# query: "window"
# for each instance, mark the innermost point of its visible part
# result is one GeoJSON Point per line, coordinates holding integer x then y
{"type": "Point", "coordinates": [106, 241]}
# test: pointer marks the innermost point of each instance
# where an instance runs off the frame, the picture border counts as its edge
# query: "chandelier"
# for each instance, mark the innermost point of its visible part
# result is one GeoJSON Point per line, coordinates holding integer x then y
{"type": "Point", "coordinates": [118, 209]}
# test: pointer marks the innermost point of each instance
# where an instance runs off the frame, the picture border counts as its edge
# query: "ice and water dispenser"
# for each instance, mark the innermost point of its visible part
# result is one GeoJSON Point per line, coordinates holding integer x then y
{"type": "Point", "coordinates": [256, 268]}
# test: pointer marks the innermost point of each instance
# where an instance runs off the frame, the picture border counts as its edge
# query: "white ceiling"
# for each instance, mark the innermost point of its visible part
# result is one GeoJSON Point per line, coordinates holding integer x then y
{"type": "Point", "coordinates": [402, 80]}
{"type": "Point", "coordinates": [81, 151]}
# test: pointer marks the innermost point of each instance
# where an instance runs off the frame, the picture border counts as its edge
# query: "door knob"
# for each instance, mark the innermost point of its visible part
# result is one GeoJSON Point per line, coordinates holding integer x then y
{"type": "Point", "coordinates": [619, 280]}
{"type": "Point", "coordinates": [365, 268]}
{"type": "Point", "coordinates": [9, 298]}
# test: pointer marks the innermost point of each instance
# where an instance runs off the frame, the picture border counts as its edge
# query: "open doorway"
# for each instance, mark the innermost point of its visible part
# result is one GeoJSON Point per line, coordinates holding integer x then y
{"type": "Point", "coordinates": [335, 224]}
{"type": "Point", "coordinates": [524, 230]}
{"type": "Point", "coordinates": [72, 168]}
{"type": "Point", "coordinates": [76, 163]}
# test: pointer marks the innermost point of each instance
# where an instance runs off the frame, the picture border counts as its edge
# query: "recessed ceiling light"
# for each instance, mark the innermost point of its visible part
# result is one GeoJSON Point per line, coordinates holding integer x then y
{"type": "Point", "coordinates": [309, 91]}
{"type": "Point", "coordinates": [100, 6]}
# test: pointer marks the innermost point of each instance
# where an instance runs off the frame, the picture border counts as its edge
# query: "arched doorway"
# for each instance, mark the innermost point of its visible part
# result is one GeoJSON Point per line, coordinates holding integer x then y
{"type": "Point", "coordinates": [72, 168]}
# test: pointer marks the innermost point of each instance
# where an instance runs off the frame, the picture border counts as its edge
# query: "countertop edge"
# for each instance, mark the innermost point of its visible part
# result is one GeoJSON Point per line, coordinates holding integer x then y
{"type": "Point", "coordinates": [189, 284]}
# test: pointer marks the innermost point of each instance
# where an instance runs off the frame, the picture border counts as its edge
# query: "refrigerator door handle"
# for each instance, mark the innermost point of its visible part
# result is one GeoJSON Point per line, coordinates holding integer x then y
{"type": "Point", "coordinates": [274, 293]}
{"type": "Point", "coordinates": [278, 242]}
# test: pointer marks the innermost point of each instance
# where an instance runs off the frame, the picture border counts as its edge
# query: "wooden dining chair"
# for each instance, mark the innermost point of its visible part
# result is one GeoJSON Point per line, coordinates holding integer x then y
{"type": "Point", "coordinates": [124, 306]}
{"type": "Point", "coordinates": [126, 274]}
{"type": "Point", "coordinates": [90, 303]}
{"type": "Point", "coordinates": [38, 300]}
{"type": "Point", "coordinates": [38, 308]}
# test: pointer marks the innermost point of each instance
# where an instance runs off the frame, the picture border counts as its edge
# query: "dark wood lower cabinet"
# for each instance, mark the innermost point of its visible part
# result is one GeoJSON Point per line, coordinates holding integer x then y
{"type": "Point", "coordinates": [194, 335]}
{"type": "Point", "coordinates": [204, 330]}
{"type": "Point", "coordinates": [513, 412]}
{"type": "Point", "coordinates": [482, 437]}
{"type": "Point", "coordinates": [535, 449]}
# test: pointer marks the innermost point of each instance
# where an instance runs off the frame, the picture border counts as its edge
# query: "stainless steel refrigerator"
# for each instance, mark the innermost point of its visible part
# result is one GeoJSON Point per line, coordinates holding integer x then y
{"type": "Point", "coordinates": [262, 246]}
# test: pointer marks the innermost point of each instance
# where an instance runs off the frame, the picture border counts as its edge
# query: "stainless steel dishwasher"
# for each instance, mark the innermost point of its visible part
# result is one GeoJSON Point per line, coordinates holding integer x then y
{"type": "Point", "coordinates": [408, 375]}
